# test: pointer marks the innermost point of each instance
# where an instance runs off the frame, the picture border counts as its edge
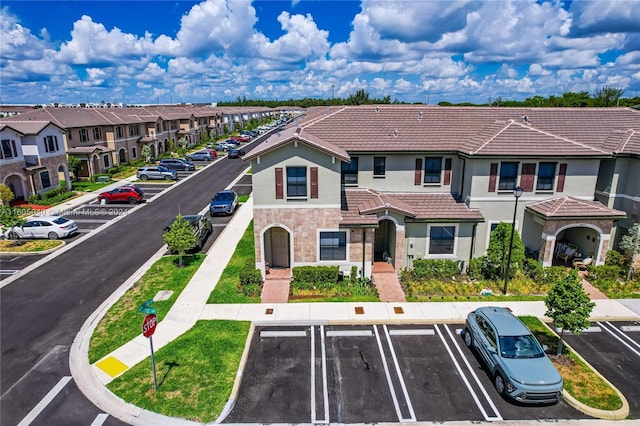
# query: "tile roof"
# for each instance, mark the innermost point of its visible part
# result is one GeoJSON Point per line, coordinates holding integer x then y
{"type": "Point", "coordinates": [26, 127]}
{"type": "Point", "coordinates": [474, 130]}
{"type": "Point", "coordinates": [89, 149]}
{"type": "Point", "coordinates": [360, 207]}
{"type": "Point", "coordinates": [571, 207]}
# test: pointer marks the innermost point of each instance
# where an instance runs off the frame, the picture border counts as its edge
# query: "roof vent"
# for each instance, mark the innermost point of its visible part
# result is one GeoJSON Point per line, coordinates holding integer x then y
{"type": "Point", "coordinates": [377, 108]}
{"type": "Point", "coordinates": [526, 119]}
{"type": "Point", "coordinates": [420, 115]}
{"type": "Point", "coordinates": [395, 132]}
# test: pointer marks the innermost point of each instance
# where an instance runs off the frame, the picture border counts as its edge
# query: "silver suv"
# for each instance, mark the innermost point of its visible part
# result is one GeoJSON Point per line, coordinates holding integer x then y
{"type": "Point", "coordinates": [156, 172]}
{"type": "Point", "coordinates": [516, 361]}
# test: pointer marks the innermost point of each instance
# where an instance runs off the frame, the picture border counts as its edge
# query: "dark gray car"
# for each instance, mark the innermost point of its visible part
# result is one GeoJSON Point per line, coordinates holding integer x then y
{"type": "Point", "coordinates": [177, 164]}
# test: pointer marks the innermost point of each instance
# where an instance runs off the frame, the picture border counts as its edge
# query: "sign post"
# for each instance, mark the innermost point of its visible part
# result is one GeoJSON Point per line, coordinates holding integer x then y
{"type": "Point", "coordinates": [148, 328]}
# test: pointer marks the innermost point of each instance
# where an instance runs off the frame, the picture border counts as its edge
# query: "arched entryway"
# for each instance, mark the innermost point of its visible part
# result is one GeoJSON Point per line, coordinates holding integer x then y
{"type": "Point", "coordinates": [96, 164]}
{"type": "Point", "coordinates": [122, 156]}
{"type": "Point", "coordinates": [277, 247]}
{"type": "Point", "coordinates": [384, 249]}
{"type": "Point", "coordinates": [586, 237]}
{"type": "Point", "coordinates": [17, 185]}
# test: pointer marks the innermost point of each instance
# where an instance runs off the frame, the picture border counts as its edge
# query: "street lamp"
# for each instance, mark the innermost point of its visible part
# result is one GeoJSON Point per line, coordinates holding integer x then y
{"type": "Point", "coordinates": [517, 192]}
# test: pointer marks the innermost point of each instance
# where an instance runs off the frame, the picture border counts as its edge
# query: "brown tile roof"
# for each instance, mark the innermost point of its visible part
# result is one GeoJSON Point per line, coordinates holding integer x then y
{"type": "Point", "coordinates": [360, 207]}
{"type": "Point", "coordinates": [290, 135]}
{"type": "Point", "coordinates": [26, 127]}
{"type": "Point", "coordinates": [89, 149]}
{"type": "Point", "coordinates": [571, 207]}
{"type": "Point", "coordinates": [475, 130]}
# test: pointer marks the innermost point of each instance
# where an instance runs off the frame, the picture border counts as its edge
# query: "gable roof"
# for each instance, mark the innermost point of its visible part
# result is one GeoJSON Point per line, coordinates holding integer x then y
{"type": "Point", "coordinates": [27, 127]}
{"type": "Point", "coordinates": [572, 207]}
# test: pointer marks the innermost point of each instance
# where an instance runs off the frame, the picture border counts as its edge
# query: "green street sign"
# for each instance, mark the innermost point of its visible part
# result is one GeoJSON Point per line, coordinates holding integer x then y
{"type": "Point", "coordinates": [146, 308]}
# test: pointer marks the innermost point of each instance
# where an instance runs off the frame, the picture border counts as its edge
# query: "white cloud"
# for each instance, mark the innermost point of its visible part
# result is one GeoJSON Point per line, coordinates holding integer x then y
{"type": "Point", "coordinates": [17, 42]}
{"type": "Point", "coordinates": [302, 40]}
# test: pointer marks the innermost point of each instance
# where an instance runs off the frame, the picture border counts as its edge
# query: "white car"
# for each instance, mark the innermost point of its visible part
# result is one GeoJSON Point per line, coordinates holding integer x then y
{"type": "Point", "coordinates": [51, 227]}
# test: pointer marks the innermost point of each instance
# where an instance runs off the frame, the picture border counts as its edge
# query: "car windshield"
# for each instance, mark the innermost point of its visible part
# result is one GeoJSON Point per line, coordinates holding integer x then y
{"type": "Point", "coordinates": [163, 169]}
{"type": "Point", "coordinates": [520, 347]}
{"type": "Point", "coordinates": [223, 196]}
{"type": "Point", "coordinates": [60, 220]}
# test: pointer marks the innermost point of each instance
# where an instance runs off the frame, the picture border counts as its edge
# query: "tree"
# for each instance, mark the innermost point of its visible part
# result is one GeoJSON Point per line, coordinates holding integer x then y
{"type": "Point", "coordinates": [608, 96]}
{"type": "Point", "coordinates": [180, 237]}
{"type": "Point", "coordinates": [145, 152]}
{"type": "Point", "coordinates": [569, 306]}
{"type": "Point", "coordinates": [498, 251]}
{"type": "Point", "coordinates": [630, 245]}
{"type": "Point", "coordinates": [73, 163]}
{"type": "Point", "coordinates": [9, 216]}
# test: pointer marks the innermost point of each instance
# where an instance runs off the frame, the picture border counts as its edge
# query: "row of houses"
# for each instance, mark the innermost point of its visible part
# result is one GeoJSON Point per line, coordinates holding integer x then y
{"type": "Point", "coordinates": [356, 185]}
{"type": "Point", "coordinates": [36, 142]}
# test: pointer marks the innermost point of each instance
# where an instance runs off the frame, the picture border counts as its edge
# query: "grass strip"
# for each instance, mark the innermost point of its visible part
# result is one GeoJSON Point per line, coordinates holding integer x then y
{"type": "Point", "coordinates": [226, 290]}
{"type": "Point", "coordinates": [28, 246]}
{"type": "Point", "coordinates": [195, 372]}
{"type": "Point", "coordinates": [123, 321]}
{"type": "Point", "coordinates": [579, 379]}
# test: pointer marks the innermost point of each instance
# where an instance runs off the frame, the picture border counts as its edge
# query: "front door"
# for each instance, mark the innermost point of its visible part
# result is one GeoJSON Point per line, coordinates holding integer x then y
{"type": "Point", "coordinates": [279, 248]}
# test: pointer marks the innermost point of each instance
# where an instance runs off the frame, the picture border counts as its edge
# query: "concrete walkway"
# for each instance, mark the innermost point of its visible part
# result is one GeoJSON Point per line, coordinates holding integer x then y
{"type": "Point", "coordinates": [385, 279]}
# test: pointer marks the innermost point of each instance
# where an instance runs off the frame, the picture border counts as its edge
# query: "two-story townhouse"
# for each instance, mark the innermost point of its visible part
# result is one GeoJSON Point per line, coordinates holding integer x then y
{"type": "Point", "coordinates": [431, 182]}
{"type": "Point", "coordinates": [32, 157]}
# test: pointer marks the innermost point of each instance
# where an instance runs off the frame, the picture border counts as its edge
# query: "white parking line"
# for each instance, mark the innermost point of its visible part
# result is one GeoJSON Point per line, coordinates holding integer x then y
{"type": "Point", "coordinates": [394, 397]}
{"type": "Point", "coordinates": [100, 419]}
{"type": "Point", "coordinates": [416, 332]}
{"type": "Point", "coordinates": [617, 334]}
{"type": "Point", "coordinates": [8, 271]}
{"type": "Point", "coordinates": [45, 401]}
{"type": "Point", "coordinates": [325, 393]}
{"type": "Point", "coordinates": [397, 366]}
{"type": "Point", "coordinates": [630, 328]}
{"type": "Point", "coordinates": [498, 417]}
{"type": "Point", "coordinates": [283, 333]}
{"type": "Point", "coordinates": [349, 333]}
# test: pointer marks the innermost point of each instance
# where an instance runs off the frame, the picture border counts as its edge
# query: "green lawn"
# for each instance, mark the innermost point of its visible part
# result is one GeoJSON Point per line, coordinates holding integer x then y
{"type": "Point", "coordinates": [195, 373]}
{"type": "Point", "coordinates": [123, 321]}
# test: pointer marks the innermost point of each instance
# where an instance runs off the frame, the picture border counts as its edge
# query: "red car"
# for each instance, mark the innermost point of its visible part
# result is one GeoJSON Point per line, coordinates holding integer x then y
{"type": "Point", "coordinates": [123, 194]}
{"type": "Point", "coordinates": [241, 138]}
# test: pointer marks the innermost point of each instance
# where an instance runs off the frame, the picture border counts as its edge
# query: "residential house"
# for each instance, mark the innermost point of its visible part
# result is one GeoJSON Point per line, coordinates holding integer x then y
{"type": "Point", "coordinates": [354, 185]}
{"type": "Point", "coordinates": [32, 157]}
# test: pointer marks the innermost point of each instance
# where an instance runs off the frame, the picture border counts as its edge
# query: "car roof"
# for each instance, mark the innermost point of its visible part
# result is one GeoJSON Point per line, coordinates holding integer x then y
{"type": "Point", "coordinates": [191, 218]}
{"type": "Point", "coordinates": [50, 217]}
{"type": "Point", "coordinates": [504, 321]}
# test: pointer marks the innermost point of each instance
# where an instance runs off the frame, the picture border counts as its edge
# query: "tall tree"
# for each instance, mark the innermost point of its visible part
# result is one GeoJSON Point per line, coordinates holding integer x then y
{"type": "Point", "coordinates": [608, 96]}
{"type": "Point", "coordinates": [569, 306]}
{"type": "Point", "coordinates": [180, 237]}
{"type": "Point", "coordinates": [630, 245]}
{"type": "Point", "coordinates": [498, 251]}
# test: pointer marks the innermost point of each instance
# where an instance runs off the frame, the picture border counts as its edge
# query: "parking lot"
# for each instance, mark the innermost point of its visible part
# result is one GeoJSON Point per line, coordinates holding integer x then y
{"type": "Point", "coordinates": [370, 374]}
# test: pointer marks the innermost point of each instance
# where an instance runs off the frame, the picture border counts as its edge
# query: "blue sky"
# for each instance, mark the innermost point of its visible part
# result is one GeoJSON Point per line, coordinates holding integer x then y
{"type": "Point", "coordinates": [414, 51]}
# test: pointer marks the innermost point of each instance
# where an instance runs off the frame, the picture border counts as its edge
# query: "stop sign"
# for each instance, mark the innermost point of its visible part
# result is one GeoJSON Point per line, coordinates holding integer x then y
{"type": "Point", "coordinates": [149, 325]}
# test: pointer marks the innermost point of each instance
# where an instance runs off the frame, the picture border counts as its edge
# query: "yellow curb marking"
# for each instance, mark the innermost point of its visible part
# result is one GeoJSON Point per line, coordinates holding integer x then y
{"type": "Point", "coordinates": [112, 366]}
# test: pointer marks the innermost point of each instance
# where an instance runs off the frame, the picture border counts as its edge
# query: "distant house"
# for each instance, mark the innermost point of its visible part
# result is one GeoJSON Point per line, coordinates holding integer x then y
{"type": "Point", "coordinates": [356, 185]}
{"type": "Point", "coordinates": [32, 157]}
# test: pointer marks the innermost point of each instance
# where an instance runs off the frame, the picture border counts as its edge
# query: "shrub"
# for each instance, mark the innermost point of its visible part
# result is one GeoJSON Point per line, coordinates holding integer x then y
{"type": "Point", "coordinates": [250, 276]}
{"type": "Point", "coordinates": [354, 273]}
{"type": "Point", "coordinates": [315, 274]}
{"type": "Point", "coordinates": [113, 170]}
{"type": "Point", "coordinates": [603, 272]}
{"type": "Point", "coordinates": [33, 199]}
{"type": "Point", "coordinates": [441, 269]}
{"type": "Point", "coordinates": [54, 192]}
{"type": "Point", "coordinates": [476, 268]}
{"type": "Point", "coordinates": [532, 268]}
{"type": "Point", "coordinates": [615, 258]}
{"type": "Point", "coordinates": [251, 290]}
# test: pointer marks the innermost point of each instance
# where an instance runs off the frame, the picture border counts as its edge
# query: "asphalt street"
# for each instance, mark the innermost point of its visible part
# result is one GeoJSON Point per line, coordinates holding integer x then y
{"type": "Point", "coordinates": [43, 310]}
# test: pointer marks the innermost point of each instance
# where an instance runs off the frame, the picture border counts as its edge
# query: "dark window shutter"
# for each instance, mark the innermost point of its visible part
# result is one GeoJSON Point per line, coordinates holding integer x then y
{"type": "Point", "coordinates": [528, 174]}
{"type": "Point", "coordinates": [279, 188]}
{"type": "Point", "coordinates": [46, 145]}
{"type": "Point", "coordinates": [417, 180]}
{"type": "Point", "coordinates": [56, 140]}
{"type": "Point", "coordinates": [493, 177]}
{"type": "Point", "coordinates": [314, 182]}
{"type": "Point", "coordinates": [561, 175]}
{"type": "Point", "coordinates": [447, 171]}
{"type": "Point", "coordinates": [15, 150]}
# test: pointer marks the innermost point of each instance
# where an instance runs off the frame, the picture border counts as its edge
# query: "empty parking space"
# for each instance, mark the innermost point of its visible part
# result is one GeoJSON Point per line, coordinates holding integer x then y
{"type": "Point", "coordinates": [372, 373]}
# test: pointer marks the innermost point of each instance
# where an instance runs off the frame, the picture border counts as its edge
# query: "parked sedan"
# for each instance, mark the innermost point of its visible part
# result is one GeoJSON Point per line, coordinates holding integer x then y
{"type": "Point", "coordinates": [177, 164]}
{"type": "Point", "coordinates": [235, 153]}
{"type": "Point", "coordinates": [203, 155]}
{"type": "Point", "coordinates": [519, 367]}
{"type": "Point", "coordinates": [123, 194]}
{"type": "Point", "coordinates": [156, 172]}
{"type": "Point", "coordinates": [225, 202]}
{"type": "Point", "coordinates": [51, 227]}
{"type": "Point", "coordinates": [201, 226]}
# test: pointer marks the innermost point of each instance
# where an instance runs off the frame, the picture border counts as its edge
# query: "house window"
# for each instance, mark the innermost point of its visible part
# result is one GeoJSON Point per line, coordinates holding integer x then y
{"type": "Point", "coordinates": [333, 245]}
{"type": "Point", "coordinates": [9, 148]}
{"type": "Point", "coordinates": [432, 169]}
{"type": "Point", "coordinates": [97, 133]}
{"type": "Point", "coordinates": [158, 127]}
{"type": "Point", "coordinates": [51, 144]}
{"type": "Point", "coordinates": [107, 163]}
{"type": "Point", "coordinates": [134, 153]}
{"type": "Point", "coordinates": [379, 166]}
{"type": "Point", "coordinates": [45, 179]}
{"type": "Point", "coordinates": [546, 176]}
{"type": "Point", "coordinates": [508, 175]}
{"type": "Point", "coordinates": [296, 181]}
{"type": "Point", "coordinates": [350, 172]}
{"type": "Point", "coordinates": [118, 132]}
{"type": "Point", "coordinates": [84, 135]}
{"type": "Point", "coordinates": [441, 239]}
{"type": "Point", "coordinates": [134, 130]}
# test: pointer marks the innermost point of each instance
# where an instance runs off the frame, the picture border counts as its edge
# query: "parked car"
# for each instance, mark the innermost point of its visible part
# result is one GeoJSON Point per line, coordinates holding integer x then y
{"type": "Point", "coordinates": [156, 172]}
{"type": "Point", "coordinates": [131, 194]}
{"type": "Point", "coordinates": [177, 164]}
{"type": "Point", "coordinates": [516, 361]}
{"type": "Point", "coordinates": [235, 153]}
{"type": "Point", "coordinates": [202, 228]}
{"type": "Point", "coordinates": [232, 142]}
{"type": "Point", "coordinates": [201, 156]}
{"type": "Point", "coordinates": [51, 227]}
{"type": "Point", "coordinates": [222, 146]}
{"type": "Point", "coordinates": [241, 138]}
{"type": "Point", "coordinates": [225, 202]}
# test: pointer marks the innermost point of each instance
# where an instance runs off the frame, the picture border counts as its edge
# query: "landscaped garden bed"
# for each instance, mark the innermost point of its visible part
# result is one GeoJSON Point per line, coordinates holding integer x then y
{"type": "Point", "coordinates": [326, 284]}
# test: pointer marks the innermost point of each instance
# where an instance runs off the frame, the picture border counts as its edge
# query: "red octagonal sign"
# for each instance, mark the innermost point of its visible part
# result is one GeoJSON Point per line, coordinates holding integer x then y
{"type": "Point", "coordinates": [149, 325]}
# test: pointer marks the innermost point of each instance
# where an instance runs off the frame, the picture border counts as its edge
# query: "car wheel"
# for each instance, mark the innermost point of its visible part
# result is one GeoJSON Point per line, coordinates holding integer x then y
{"type": "Point", "coordinates": [144, 177]}
{"type": "Point", "coordinates": [52, 235]}
{"type": "Point", "coordinates": [468, 338]}
{"type": "Point", "coordinates": [499, 383]}
{"type": "Point", "coordinates": [132, 200]}
{"type": "Point", "coordinates": [167, 177]}
{"type": "Point", "coordinates": [106, 201]}
{"type": "Point", "coordinates": [13, 235]}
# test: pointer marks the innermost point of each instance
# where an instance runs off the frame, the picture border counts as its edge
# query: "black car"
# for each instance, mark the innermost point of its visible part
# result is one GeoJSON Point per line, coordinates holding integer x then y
{"type": "Point", "coordinates": [202, 228]}
{"type": "Point", "coordinates": [236, 153]}
{"type": "Point", "coordinates": [177, 164]}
